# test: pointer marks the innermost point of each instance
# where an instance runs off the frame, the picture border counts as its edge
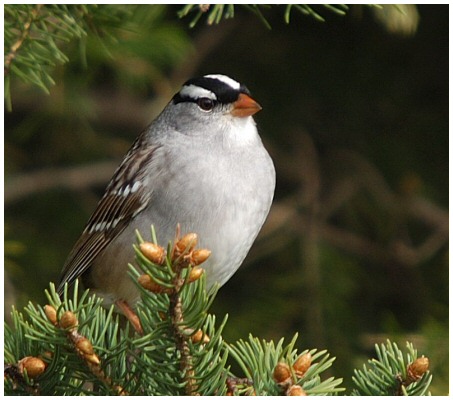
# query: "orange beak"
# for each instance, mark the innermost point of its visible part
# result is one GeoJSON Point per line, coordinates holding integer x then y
{"type": "Point", "coordinates": [245, 106]}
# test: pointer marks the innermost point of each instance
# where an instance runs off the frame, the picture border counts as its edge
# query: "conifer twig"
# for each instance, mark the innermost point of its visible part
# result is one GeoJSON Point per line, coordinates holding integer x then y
{"type": "Point", "coordinates": [183, 246]}
{"type": "Point", "coordinates": [82, 346]}
{"type": "Point", "coordinates": [25, 35]}
{"type": "Point", "coordinates": [182, 262]}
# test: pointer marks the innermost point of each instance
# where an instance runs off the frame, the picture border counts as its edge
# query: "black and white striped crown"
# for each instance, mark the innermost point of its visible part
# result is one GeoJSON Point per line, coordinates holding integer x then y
{"type": "Point", "coordinates": [219, 88]}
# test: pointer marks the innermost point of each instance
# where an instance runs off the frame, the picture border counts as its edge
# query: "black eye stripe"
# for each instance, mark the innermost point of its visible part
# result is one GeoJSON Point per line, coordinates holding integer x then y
{"type": "Point", "coordinates": [177, 98]}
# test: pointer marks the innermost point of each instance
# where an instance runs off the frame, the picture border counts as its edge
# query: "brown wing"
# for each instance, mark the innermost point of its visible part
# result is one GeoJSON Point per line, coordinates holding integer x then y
{"type": "Point", "coordinates": [125, 197]}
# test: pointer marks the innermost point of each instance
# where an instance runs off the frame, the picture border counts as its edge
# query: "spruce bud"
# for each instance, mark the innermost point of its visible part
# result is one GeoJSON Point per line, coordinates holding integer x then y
{"type": "Point", "coordinates": [186, 244]}
{"type": "Point", "coordinates": [84, 346]}
{"type": "Point", "coordinates": [51, 314]}
{"type": "Point", "coordinates": [282, 373]}
{"type": "Point", "coordinates": [416, 369]}
{"type": "Point", "coordinates": [195, 274]}
{"type": "Point", "coordinates": [296, 390]}
{"type": "Point", "coordinates": [151, 285]}
{"type": "Point", "coordinates": [68, 320]}
{"type": "Point", "coordinates": [302, 364]}
{"type": "Point", "coordinates": [199, 256]}
{"type": "Point", "coordinates": [153, 252]}
{"type": "Point", "coordinates": [200, 336]}
{"type": "Point", "coordinates": [34, 366]}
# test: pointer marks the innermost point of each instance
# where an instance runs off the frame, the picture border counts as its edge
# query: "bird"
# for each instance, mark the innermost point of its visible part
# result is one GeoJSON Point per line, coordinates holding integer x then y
{"type": "Point", "coordinates": [200, 164]}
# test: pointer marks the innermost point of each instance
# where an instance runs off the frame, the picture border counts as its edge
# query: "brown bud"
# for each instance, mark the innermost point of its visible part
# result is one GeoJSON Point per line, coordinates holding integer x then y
{"type": "Point", "coordinates": [302, 364]}
{"type": "Point", "coordinates": [296, 390]}
{"type": "Point", "coordinates": [84, 346]}
{"type": "Point", "coordinates": [199, 336]}
{"type": "Point", "coordinates": [120, 391]}
{"type": "Point", "coordinates": [195, 274]}
{"type": "Point", "coordinates": [68, 320]}
{"type": "Point", "coordinates": [153, 252]}
{"type": "Point", "coordinates": [282, 373]}
{"type": "Point", "coordinates": [186, 244]}
{"type": "Point", "coordinates": [150, 284]}
{"type": "Point", "coordinates": [199, 256]}
{"type": "Point", "coordinates": [51, 314]}
{"type": "Point", "coordinates": [92, 358]}
{"type": "Point", "coordinates": [146, 281]}
{"type": "Point", "coordinates": [416, 369]}
{"type": "Point", "coordinates": [33, 365]}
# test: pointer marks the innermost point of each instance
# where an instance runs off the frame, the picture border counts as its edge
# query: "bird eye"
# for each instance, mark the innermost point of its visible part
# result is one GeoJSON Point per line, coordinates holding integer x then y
{"type": "Point", "coordinates": [205, 104]}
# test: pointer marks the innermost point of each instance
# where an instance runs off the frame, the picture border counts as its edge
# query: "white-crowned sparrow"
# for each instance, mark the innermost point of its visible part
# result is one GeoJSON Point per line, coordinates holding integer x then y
{"type": "Point", "coordinates": [200, 164]}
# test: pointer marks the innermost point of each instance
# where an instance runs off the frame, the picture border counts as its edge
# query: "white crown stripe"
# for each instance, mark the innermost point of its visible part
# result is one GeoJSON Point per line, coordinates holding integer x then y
{"type": "Point", "coordinates": [225, 79]}
{"type": "Point", "coordinates": [196, 92]}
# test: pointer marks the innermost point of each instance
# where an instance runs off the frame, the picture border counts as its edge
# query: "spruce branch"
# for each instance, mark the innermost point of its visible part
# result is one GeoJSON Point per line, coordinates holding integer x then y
{"type": "Point", "coordinates": [393, 373]}
{"type": "Point", "coordinates": [74, 346]}
{"type": "Point", "coordinates": [215, 13]}
{"type": "Point", "coordinates": [397, 19]}
{"type": "Point", "coordinates": [65, 335]}
{"type": "Point", "coordinates": [22, 37]}
{"type": "Point", "coordinates": [277, 370]}
{"type": "Point", "coordinates": [169, 275]}
{"type": "Point", "coordinates": [35, 36]}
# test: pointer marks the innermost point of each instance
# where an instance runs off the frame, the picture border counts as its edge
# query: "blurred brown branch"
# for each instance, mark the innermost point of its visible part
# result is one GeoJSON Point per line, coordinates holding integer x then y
{"type": "Point", "coordinates": [284, 222]}
{"type": "Point", "coordinates": [294, 216]}
{"type": "Point", "coordinates": [73, 178]}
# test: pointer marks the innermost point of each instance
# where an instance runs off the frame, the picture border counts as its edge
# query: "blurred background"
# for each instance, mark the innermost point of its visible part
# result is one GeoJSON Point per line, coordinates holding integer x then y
{"type": "Point", "coordinates": [355, 117]}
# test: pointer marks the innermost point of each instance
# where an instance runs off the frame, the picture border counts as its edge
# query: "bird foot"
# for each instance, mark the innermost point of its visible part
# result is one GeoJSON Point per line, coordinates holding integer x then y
{"type": "Point", "coordinates": [130, 314]}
